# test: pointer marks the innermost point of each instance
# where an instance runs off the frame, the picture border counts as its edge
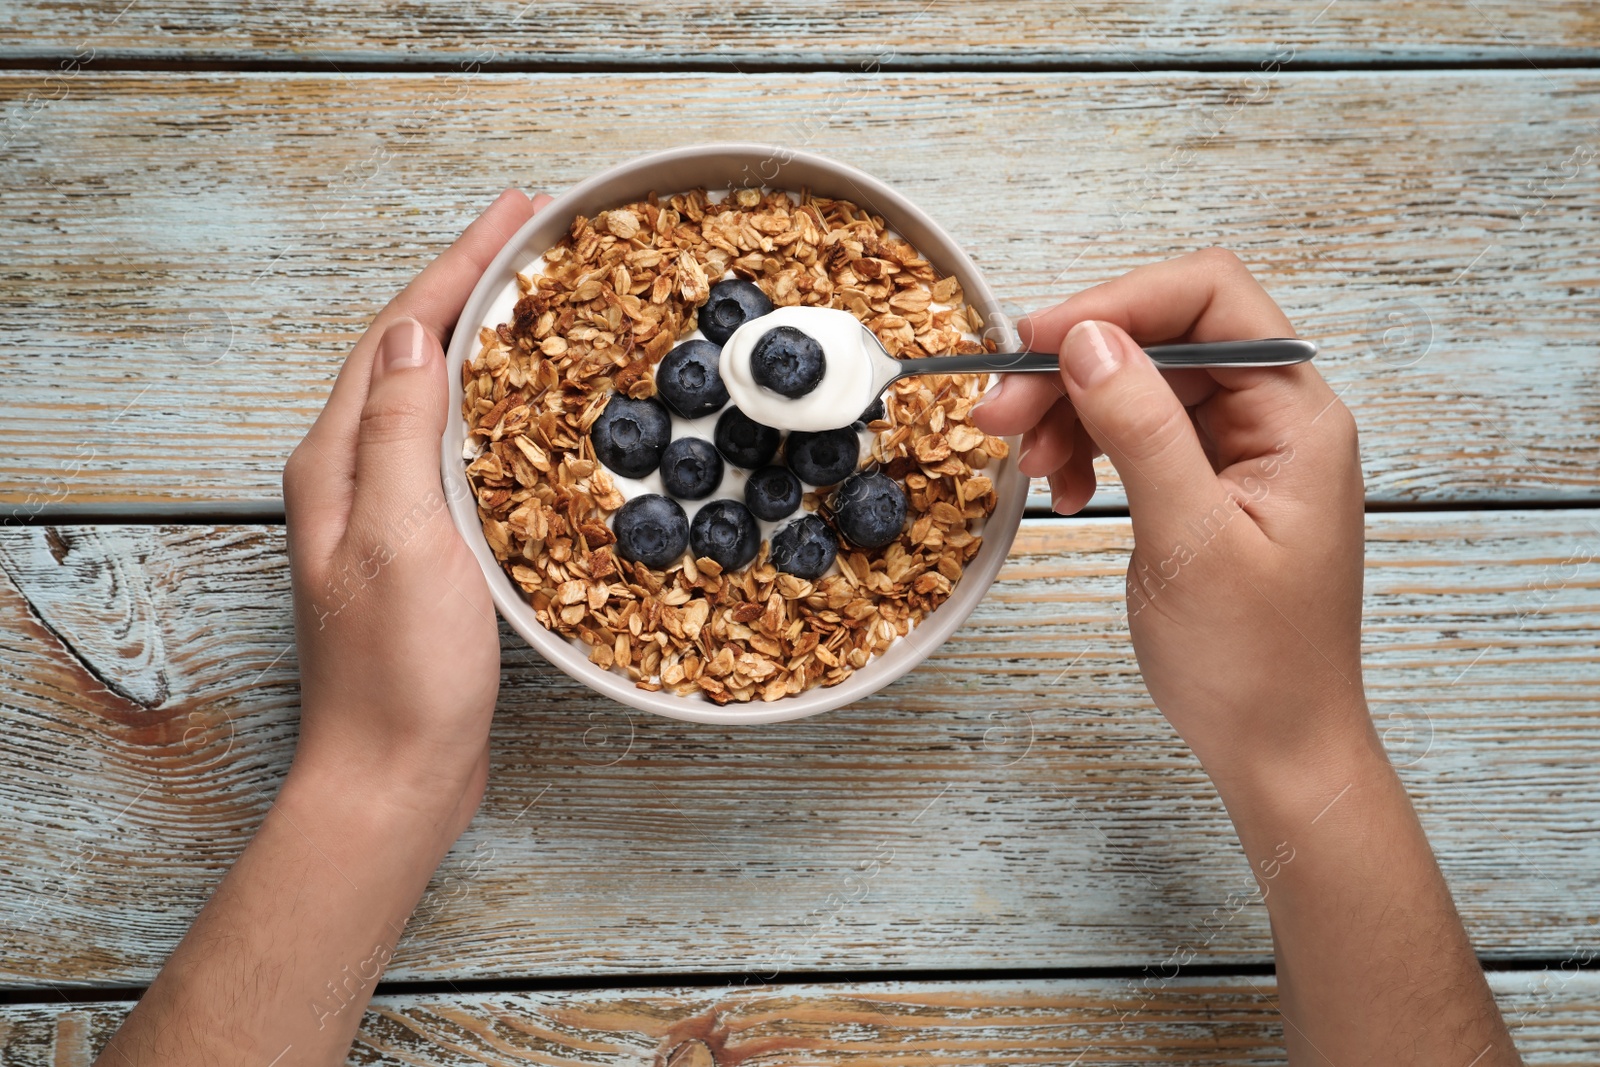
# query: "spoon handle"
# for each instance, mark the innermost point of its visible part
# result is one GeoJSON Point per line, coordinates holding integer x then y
{"type": "Point", "coordinates": [1269, 352]}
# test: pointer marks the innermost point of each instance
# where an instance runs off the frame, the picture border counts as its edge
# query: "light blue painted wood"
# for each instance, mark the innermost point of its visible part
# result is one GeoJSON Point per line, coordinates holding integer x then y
{"type": "Point", "coordinates": [191, 255]}
{"type": "Point", "coordinates": [1014, 802]}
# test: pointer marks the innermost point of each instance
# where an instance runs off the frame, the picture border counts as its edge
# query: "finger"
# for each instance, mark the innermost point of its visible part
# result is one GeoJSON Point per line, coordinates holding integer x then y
{"type": "Point", "coordinates": [1131, 412]}
{"type": "Point", "coordinates": [1262, 408]}
{"type": "Point", "coordinates": [1283, 429]}
{"type": "Point", "coordinates": [1030, 440]}
{"type": "Point", "coordinates": [1052, 441]}
{"type": "Point", "coordinates": [1208, 443]}
{"type": "Point", "coordinates": [434, 298]}
{"type": "Point", "coordinates": [319, 476]}
{"type": "Point", "coordinates": [1191, 385]}
{"type": "Point", "coordinates": [1073, 485]}
{"type": "Point", "coordinates": [397, 489]}
{"type": "Point", "coordinates": [1017, 402]}
{"type": "Point", "coordinates": [1203, 296]}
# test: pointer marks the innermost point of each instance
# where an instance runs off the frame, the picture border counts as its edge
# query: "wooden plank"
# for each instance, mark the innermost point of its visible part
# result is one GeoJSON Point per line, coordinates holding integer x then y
{"type": "Point", "coordinates": [1085, 1022]}
{"type": "Point", "coordinates": [1015, 802]}
{"type": "Point", "coordinates": [1141, 33]}
{"type": "Point", "coordinates": [194, 254]}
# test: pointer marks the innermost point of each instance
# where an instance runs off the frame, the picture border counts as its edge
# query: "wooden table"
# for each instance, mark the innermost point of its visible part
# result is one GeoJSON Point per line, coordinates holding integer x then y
{"type": "Point", "coordinates": [997, 859]}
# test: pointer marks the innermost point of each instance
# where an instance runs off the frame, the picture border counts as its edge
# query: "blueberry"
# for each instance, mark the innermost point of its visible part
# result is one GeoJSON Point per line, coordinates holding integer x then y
{"type": "Point", "coordinates": [732, 303]}
{"type": "Point", "coordinates": [691, 468]}
{"type": "Point", "coordinates": [870, 509]}
{"type": "Point", "coordinates": [804, 548]}
{"type": "Point", "coordinates": [823, 458]}
{"type": "Point", "coordinates": [630, 435]}
{"type": "Point", "coordinates": [772, 493]}
{"type": "Point", "coordinates": [787, 361]}
{"type": "Point", "coordinates": [726, 532]}
{"type": "Point", "coordinates": [874, 412]}
{"type": "Point", "coordinates": [743, 441]}
{"type": "Point", "coordinates": [651, 530]}
{"type": "Point", "coordinates": [688, 379]}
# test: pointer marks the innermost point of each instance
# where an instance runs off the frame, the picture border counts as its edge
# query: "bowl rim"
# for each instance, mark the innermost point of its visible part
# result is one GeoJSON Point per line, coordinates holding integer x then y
{"type": "Point", "coordinates": [597, 193]}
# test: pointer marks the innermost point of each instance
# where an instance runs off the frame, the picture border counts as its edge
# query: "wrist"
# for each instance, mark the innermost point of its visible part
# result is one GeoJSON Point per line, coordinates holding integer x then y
{"type": "Point", "coordinates": [423, 813]}
{"type": "Point", "coordinates": [1274, 786]}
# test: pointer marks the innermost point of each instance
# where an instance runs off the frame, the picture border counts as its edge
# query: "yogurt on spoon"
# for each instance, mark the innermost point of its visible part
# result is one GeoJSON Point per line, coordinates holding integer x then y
{"type": "Point", "coordinates": [801, 368]}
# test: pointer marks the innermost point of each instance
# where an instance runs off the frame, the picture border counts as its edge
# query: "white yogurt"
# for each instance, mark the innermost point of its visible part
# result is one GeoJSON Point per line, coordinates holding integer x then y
{"type": "Point", "coordinates": [839, 398]}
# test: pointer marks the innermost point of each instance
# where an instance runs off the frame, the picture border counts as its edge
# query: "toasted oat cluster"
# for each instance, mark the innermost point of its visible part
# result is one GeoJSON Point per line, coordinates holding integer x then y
{"type": "Point", "coordinates": [615, 295]}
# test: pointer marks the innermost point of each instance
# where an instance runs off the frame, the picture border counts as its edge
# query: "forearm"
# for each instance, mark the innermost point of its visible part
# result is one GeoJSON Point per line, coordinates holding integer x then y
{"type": "Point", "coordinates": [280, 963]}
{"type": "Point", "coordinates": [1373, 963]}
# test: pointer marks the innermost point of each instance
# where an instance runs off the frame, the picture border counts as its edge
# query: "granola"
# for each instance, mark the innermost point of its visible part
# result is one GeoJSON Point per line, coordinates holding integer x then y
{"type": "Point", "coordinates": [613, 297]}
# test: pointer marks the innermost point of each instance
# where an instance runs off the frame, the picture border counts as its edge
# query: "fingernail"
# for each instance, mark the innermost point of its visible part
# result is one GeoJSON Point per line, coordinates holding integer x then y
{"type": "Point", "coordinates": [991, 393]}
{"type": "Point", "coordinates": [402, 346]}
{"type": "Point", "coordinates": [1059, 504]}
{"type": "Point", "coordinates": [1087, 357]}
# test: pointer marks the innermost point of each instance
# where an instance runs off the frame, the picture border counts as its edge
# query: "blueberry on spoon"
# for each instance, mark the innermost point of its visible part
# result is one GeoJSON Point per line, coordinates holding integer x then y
{"type": "Point", "coordinates": [787, 361]}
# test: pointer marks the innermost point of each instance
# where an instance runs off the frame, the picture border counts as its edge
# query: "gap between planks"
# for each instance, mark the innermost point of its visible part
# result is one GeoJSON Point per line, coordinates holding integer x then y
{"type": "Point", "coordinates": [646, 981]}
{"type": "Point", "coordinates": [1241, 62]}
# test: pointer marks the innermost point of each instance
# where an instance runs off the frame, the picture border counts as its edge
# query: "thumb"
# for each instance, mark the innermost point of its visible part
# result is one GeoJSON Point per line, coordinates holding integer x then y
{"type": "Point", "coordinates": [1131, 412]}
{"type": "Point", "coordinates": [397, 488]}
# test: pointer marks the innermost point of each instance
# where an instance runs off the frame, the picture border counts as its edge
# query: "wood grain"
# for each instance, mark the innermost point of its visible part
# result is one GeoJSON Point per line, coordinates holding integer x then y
{"type": "Point", "coordinates": [1088, 1023]}
{"type": "Point", "coordinates": [1015, 802]}
{"type": "Point", "coordinates": [193, 255]}
{"type": "Point", "coordinates": [1140, 34]}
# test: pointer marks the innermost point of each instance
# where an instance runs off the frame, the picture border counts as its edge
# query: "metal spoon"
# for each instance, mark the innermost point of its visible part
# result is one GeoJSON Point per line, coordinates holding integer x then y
{"type": "Point", "coordinates": [850, 384]}
{"type": "Point", "coordinates": [1268, 352]}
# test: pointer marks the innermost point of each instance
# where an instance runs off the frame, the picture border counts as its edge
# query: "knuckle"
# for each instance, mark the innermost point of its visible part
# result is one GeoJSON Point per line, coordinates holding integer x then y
{"type": "Point", "coordinates": [1222, 260]}
{"type": "Point", "coordinates": [398, 420]}
{"type": "Point", "coordinates": [294, 468]}
{"type": "Point", "coordinates": [1344, 419]}
{"type": "Point", "coordinates": [1151, 429]}
{"type": "Point", "coordinates": [1342, 427]}
{"type": "Point", "coordinates": [1333, 424]}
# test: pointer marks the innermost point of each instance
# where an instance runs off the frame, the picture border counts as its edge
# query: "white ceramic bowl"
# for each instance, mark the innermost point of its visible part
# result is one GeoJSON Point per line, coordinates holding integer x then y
{"type": "Point", "coordinates": [725, 166]}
